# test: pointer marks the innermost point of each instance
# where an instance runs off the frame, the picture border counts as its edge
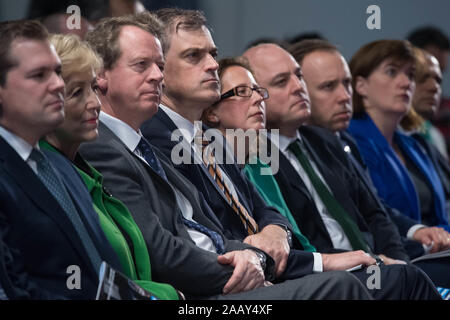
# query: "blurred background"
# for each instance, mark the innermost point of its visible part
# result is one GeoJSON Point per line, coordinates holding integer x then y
{"type": "Point", "coordinates": [237, 23]}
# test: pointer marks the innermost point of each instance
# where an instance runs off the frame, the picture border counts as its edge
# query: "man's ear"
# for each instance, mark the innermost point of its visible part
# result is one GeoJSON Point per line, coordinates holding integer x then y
{"type": "Point", "coordinates": [361, 86]}
{"type": "Point", "coordinates": [102, 82]}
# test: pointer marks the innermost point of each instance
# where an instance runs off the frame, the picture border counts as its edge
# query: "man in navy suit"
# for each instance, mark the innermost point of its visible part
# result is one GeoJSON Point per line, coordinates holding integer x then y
{"type": "Point", "coordinates": [190, 86]}
{"type": "Point", "coordinates": [46, 215]}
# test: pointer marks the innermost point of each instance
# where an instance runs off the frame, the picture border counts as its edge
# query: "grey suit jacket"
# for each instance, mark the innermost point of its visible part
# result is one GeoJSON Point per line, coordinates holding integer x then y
{"type": "Point", "coordinates": [175, 257]}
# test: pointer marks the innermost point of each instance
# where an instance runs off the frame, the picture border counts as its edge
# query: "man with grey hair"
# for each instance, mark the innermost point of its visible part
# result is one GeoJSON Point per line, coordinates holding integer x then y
{"type": "Point", "coordinates": [186, 245]}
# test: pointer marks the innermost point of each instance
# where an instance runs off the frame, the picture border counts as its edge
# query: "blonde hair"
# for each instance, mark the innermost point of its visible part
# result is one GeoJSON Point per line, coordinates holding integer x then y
{"type": "Point", "coordinates": [76, 55]}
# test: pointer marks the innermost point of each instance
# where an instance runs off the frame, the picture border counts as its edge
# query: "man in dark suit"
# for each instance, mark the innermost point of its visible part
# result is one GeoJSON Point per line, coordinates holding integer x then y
{"type": "Point", "coordinates": [186, 245]}
{"type": "Point", "coordinates": [317, 180]}
{"type": "Point", "coordinates": [328, 80]}
{"type": "Point", "coordinates": [191, 86]}
{"type": "Point", "coordinates": [183, 101]}
{"type": "Point", "coordinates": [47, 222]}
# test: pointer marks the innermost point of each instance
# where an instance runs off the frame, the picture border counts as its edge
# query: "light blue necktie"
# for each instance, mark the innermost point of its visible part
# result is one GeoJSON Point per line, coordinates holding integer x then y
{"type": "Point", "coordinates": [48, 176]}
{"type": "Point", "coordinates": [146, 150]}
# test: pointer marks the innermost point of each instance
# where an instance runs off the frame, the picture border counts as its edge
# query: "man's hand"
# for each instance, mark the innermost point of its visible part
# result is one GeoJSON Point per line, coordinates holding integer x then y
{"type": "Point", "coordinates": [387, 261]}
{"type": "Point", "coordinates": [248, 273]}
{"type": "Point", "coordinates": [272, 240]}
{"type": "Point", "coordinates": [438, 236]}
{"type": "Point", "coordinates": [346, 260]}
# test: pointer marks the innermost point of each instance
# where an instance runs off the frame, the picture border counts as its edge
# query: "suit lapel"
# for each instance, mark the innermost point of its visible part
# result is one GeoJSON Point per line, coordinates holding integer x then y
{"type": "Point", "coordinates": [295, 181]}
{"type": "Point", "coordinates": [170, 125]}
{"type": "Point", "coordinates": [335, 179]}
{"type": "Point", "coordinates": [30, 184]}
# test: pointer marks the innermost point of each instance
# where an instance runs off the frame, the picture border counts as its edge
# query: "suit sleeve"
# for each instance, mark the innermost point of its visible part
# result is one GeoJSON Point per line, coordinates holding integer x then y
{"type": "Point", "coordinates": [14, 280]}
{"type": "Point", "coordinates": [174, 259]}
{"type": "Point", "coordinates": [263, 214]}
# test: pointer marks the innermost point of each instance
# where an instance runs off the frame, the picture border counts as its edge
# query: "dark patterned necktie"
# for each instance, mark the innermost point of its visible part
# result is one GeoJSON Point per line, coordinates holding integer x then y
{"type": "Point", "coordinates": [350, 228]}
{"type": "Point", "coordinates": [146, 150]}
{"type": "Point", "coordinates": [217, 174]}
{"type": "Point", "coordinates": [48, 176]}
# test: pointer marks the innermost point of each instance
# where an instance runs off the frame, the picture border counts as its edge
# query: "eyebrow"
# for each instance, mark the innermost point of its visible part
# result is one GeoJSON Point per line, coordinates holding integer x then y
{"type": "Point", "coordinates": [45, 68]}
{"type": "Point", "coordinates": [280, 75]}
{"type": "Point", "coordinates": [203, 49]}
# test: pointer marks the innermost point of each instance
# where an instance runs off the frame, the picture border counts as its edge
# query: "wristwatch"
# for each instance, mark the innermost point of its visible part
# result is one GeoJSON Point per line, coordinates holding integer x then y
{"type": "Point", "coordinates": [288, 234]}
{"type": "Point", "coordinates": [262, 259]}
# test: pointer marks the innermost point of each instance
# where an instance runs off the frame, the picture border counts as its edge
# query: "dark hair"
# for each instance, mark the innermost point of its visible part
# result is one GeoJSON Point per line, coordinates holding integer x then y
{"type": "Point", "coordinates": [104, 39]}
{"type": "Point", "coordinates": [429, 35]}
{"type": "Point", "coordinates": [305, 36]}
{"type": "Point", "coordinates": [300, 49]}
{"type": "Point", "coordinates": [370, 56]}
{"type": "Point", "coordinates": [226, 63]}
{"type": "Point", "coordinates": [13, 30]}
{"type": "Point", "coordinates": [176, 18]}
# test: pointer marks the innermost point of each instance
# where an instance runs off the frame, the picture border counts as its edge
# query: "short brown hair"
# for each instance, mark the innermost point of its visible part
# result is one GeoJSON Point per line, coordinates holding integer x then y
{"type": "Point", "coordinates": [224, 64]}
{"type": "Point", "coordinates": [12, 30]}
{"type": "Point", "coordinates": [370, 56]}
{"type": "Point", "coordinates": [104, 39]}
{"type": "Point", "coordinates": [176, 18]}
{"type": "Point", "coordinates": [228, 62]}
{"type": "Point", "coordinates": [302, 48]}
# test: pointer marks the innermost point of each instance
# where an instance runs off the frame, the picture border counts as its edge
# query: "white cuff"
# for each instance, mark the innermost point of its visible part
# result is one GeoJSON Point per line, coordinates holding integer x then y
{"type": "Point", "coordinates": [318, 264]}
{"type": "Point", "coordinates": [413, 230]}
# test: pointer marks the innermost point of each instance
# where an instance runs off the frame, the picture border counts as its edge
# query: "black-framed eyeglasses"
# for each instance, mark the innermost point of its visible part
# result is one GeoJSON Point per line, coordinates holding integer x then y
{"type": "Point", "coordinates": [245, 91]}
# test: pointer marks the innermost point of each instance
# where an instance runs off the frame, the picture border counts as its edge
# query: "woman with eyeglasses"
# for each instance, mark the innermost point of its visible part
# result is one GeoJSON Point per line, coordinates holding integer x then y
{"type": "Point", "coordinates": [82, 107]}
{"type": "Point", "coordinates": [404, 175]}
{"type": "Point", "coordinates": [241, 106]}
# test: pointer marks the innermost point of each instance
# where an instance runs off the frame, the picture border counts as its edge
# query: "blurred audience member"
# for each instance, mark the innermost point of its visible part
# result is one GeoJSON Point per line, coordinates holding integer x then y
{"type": "Point", "coordinates": [404, 175]}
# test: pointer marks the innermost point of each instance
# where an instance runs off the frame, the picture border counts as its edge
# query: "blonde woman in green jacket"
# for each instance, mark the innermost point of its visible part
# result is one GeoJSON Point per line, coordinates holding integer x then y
{"type": "Point", "coordinates": [82, 107]}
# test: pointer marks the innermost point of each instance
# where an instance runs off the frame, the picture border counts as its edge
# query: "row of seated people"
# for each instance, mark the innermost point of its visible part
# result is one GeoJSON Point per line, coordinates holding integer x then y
{"type": "Point", "coordinates": [91, 172]}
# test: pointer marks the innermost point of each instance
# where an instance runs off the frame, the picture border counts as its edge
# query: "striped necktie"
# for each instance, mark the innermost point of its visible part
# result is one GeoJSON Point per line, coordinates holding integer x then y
{"type": "Point", "coordinates": [350, 228]}
{"type": "Point", "coordinates": [48, 176]}
{"type": "Point", "coordinates": [217, 175]}
{"type": "Point", "coordinates": [147, 152]}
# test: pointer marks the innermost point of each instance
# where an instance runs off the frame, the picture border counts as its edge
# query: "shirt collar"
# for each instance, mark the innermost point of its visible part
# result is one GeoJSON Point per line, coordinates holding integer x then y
{"type": "Point", "coordinates": [122, 130]}
{"type": "Point", "coordinates": [187, 128]}
{"type": "Point", "coordinates": [285, 141]}
{"type": "Point", "coordinates": [22, 147]}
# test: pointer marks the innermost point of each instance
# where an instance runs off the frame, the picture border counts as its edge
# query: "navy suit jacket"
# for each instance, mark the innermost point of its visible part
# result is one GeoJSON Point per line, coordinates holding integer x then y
{"type": "Point", "coordinates": [39, 240]}
{"type": "Point", "coordinates": [159, 129]}
{"type": "Point", "coordinates": [337, 170]}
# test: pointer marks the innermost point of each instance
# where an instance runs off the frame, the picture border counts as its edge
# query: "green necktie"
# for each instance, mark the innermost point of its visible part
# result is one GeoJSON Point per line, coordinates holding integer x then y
{"type": "Point", "coordinates": [334, 208]}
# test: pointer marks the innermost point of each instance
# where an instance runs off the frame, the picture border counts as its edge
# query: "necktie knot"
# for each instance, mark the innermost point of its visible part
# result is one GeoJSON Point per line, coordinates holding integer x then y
{"type": "Point", "coordinates": [147, 152]}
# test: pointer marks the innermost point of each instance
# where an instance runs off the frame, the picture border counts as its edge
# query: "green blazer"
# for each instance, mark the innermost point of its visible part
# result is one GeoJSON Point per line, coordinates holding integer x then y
{"type": "Point", "coordinates": [267, 186]}
{"type": "Point", "coordinates": [120, 229]}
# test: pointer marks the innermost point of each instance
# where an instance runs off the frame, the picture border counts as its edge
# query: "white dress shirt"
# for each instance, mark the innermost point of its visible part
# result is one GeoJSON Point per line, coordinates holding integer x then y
{"type": "Point", "coordinates": [131, 140]}
{"type": "Point", "coordinates": [189, 131]}
{"type": "Point", "coordinates": [22, 147]}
